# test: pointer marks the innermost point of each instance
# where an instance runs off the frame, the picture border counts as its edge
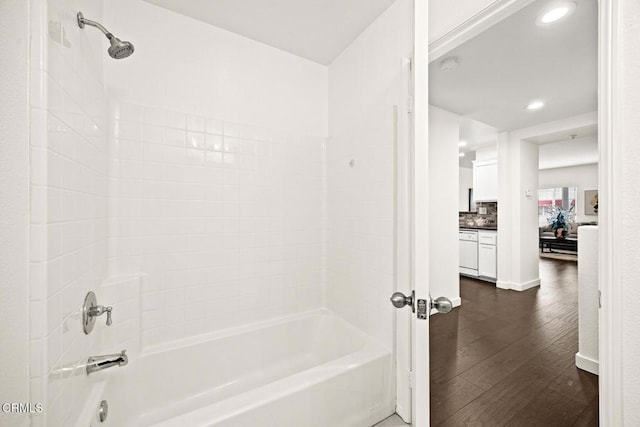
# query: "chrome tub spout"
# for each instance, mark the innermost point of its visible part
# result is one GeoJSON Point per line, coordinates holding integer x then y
{"type": "Point", "coordinates": [98, 363]}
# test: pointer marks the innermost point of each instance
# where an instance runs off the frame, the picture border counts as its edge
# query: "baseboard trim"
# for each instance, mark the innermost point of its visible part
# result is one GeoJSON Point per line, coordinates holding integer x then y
{"type": "Point", "coordinates": [468, 272]}
{"type": "Point", "coordinates": [403, 413]}
{"type": "Point", "coordinates": [518, 286]}
{"type": "Point", "coordinates": [587, 364]}
{"type": "Point", "coordinates": [503, 285]}
{"type": "Point", "coordinates": [527, 285]}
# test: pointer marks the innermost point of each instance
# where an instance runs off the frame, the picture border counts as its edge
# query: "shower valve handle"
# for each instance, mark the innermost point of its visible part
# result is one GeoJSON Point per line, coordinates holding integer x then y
{"type": "Point", "coordinates": [99, 310]}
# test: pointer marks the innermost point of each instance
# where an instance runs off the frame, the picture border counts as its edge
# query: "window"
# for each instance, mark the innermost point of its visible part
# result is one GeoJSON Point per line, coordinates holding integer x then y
{"type": "Point", "coordinates": [550, 200]}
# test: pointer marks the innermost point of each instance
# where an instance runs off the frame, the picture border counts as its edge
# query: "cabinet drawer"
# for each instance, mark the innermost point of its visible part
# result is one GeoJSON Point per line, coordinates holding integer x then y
{"type": "Point", "coordinates": [470, 236]}
{"type": "Point", "coordinates": [488, 238]}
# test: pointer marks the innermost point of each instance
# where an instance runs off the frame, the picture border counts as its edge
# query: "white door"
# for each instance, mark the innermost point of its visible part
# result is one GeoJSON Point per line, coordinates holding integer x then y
{"type": "Point", "coordinates": [420, 303]}
{"type": "Point", "coordinates": [412, 335]}
{"type": "Point", "coordinates": [420, 245]}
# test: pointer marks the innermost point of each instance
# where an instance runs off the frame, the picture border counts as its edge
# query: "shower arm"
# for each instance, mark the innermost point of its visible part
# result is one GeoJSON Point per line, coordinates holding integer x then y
{"type": "Point", "coordinates": [82, 21]}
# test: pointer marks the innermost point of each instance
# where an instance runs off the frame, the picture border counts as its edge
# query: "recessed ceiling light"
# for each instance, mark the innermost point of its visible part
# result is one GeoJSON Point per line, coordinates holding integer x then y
{"type": "Point", "coordinates": [535, 105]}
{"type": "Point", "coordinates": [461, 154]}
{"type": "Point", "coordinates": [462, 143]}
{"type": "Point", "coordinates": [555, 11]}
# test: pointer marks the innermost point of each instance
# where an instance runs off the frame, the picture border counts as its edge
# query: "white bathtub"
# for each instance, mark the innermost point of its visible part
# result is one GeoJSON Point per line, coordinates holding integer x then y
{"type": "Point", "coordinates": [312, 369]}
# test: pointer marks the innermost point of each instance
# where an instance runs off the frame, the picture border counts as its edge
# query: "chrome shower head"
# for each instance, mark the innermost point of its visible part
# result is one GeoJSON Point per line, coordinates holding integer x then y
{"type": "Point", "coordinates": [118, 48]}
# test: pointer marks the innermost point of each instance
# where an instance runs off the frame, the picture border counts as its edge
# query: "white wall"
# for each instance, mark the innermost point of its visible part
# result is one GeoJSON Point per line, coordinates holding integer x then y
{"type": "Point", "coordinates": [629, 237]}
{"type": "Point", "coordinates": [528, 217]}
{"type": "Point", "coordinates": [489, 152]}
{"type": "Point", "coordinates": [443, 209]}
{"type": "Point", "coordinates": [585, 177]}
{"type": "Point", "coordinates": [14, 205]}
{"type": "Point", "coordinates": [182, 64]}
{"type": "Point", "coordinates": [517, 213]}
{"type": "Point", "coordinates": [365, 82]}
{"type": "Point", "coordinates": [465, 182]}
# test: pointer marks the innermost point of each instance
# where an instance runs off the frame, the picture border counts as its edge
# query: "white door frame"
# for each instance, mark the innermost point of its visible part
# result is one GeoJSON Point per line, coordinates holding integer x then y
{"type": "Point", "coordinates": [420, 213]}
{"type": "Point", "coordinates": [402, 217]}
{"type": "Point", "coordinates": [610, 212]}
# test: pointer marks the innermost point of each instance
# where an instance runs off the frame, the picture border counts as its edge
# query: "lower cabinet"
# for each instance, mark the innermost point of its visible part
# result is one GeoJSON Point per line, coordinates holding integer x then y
{"type": "Point", "coordinates": [488, 255]}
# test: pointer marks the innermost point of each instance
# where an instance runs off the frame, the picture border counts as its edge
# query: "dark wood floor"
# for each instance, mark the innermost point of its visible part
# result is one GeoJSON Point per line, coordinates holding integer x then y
{"type": "Point", "coordinates": [507, 358]}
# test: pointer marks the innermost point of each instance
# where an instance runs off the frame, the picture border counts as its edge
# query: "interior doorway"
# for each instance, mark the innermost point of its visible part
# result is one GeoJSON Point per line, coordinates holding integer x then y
{"type": "Point", "coordinates": [534, 80]}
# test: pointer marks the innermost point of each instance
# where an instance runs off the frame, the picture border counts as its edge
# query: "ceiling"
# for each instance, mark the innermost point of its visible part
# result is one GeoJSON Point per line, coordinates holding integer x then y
{"type": "Point", "coordinates": [516, 61]}
{"type": "Point", "coordinates": [572, 152]}
{"type": "Point", "coordinates": [318, 30]}
{"type": "Point", "coordinates": [575, 133]}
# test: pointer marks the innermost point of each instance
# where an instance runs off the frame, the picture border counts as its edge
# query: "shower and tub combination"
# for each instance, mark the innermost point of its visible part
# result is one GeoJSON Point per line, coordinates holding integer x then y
{"type": "Point", "coordinates": [242, 258]}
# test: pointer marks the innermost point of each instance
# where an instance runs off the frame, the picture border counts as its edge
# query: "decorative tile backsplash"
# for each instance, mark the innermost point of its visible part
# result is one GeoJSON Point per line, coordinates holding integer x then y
{"type": "Point", "coordinates": [488, 218]}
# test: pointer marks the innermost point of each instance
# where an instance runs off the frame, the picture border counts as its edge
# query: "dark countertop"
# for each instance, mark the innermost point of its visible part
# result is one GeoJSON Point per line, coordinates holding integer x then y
{"type": "Point", "coordinates": [467, 227]}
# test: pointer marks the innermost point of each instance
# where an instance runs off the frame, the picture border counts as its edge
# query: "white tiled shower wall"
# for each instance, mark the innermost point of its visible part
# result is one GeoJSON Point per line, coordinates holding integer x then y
{"type": "Point", "coordinates": [365, 82]}
{"type": "Point", "coordinates": [223, 219]}
{"type": "Point", "coordinates": [68, 189]}
{"type": "Point", "coordinates": [217, 209]}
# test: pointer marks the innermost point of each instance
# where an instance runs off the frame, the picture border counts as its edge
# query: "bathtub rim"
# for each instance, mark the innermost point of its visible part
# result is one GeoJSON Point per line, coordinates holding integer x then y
{"type": "Point", "coordinates": [275, 390]}
{"type": "Point", "coordinates": [369, 351]}
{"type": "Point", "coordinates": [251, 327]}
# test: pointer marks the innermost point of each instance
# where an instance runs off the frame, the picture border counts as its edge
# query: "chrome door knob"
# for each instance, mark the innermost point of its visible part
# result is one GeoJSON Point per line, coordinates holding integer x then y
{"type": "Point", "coordinates": [399, 300]}
{"type": "Point", "coordinates": [442, 305]}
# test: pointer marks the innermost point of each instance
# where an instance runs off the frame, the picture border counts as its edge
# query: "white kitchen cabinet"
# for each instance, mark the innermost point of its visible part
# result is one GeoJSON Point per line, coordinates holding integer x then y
{"type": "Point", "coordinates": [488, 254]}
{"type": "Point", "coordinates": [485, 181]}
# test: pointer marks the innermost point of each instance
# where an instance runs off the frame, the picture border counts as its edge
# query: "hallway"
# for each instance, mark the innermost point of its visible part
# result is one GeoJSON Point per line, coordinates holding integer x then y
{"type": "Point", "coordinates": [508, 358]}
